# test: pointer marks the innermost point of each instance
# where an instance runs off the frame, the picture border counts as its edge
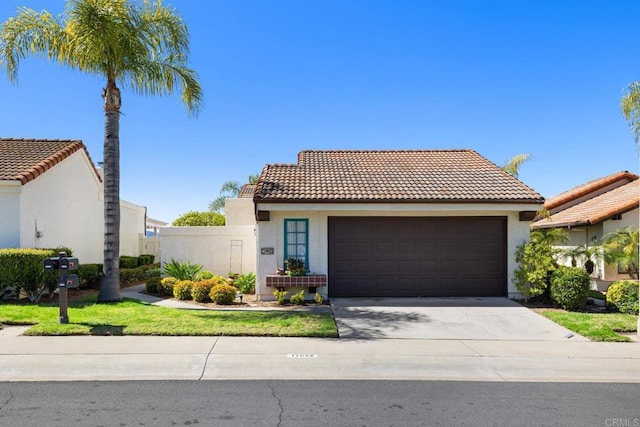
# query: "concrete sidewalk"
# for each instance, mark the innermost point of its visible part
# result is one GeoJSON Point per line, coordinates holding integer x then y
{"type": "Point", "coordinates": [74, 358]}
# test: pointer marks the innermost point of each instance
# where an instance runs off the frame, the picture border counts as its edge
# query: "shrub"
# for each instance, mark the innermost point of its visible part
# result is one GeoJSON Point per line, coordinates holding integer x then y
{"type": "Point", "coordinates": [319, 299]}
{"type": "Point", "coordinates": [281, 296]}
{"type": "Point", "coordinates": [570, 287]}
{"type": "Point", "coordinates": [182, 289]}
{"type": "Point", "coordinates": [223, 294]}
{"type": "Point", "coordinates": [130, 275]}
{"type": "Point", "coordinates": [298, 298]}
{"type": "Point", "coordinates": [166, 285]}
{"type": "Point", "coordinates": [89, 275]}
{"type": "Point", "coordinates": [193, 218]}
{"type": "Point", "coordinates": [23, 269]}
{"type": "Point", "coordinates": [203, 275]}
{"type": "Point", "coordinates": [153, 272]}
{"type": "Point", "coordinates": [68, 251]}
{"type": "Point", "coordinates": [246, 283]}
{"type": "Point", "coordinates": [153, 285]}
{"type": "Point", "coordinates": [146, 259]}
{"type": "Point", "coordinates": [623, 296]}
{"type": "Point", "coordinates": [201, 289]}
{"type": "Point", "coordinates": [182, 270]}
{"type": "Point", "coordinates": [128, 261]}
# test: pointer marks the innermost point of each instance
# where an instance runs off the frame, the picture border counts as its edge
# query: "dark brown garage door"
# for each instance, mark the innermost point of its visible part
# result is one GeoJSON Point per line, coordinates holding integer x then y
{"type": "Point", "coordinates": [408, 256]}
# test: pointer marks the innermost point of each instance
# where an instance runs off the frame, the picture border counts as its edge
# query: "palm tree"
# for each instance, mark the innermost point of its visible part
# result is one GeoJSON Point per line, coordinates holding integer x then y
{"type": "Point", "coordinates": [630, 105]}
{"type": "Point", "coordinates": [621, 247]}
{"type": "Point", "coordinates": [512, 167]}
{"type": "Point", "coordinates": [229, 190]}
{"type": "Point", "coordinates": [549, 236]}
{"type": "Point", "coordinates": [142, 46]}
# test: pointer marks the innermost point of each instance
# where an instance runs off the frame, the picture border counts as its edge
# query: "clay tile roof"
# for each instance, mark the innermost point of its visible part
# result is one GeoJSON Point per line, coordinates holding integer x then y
{"type": "Point", "coordinates": [600, 185]}
{"type": "Point", "coordinates": [596, 209]}
{"type": "Point", "coordinates": [247, 191]}
{"type": "Point", "coordinates": [25, 159]}
{"type": "Point", "coordinates": [391, 176]}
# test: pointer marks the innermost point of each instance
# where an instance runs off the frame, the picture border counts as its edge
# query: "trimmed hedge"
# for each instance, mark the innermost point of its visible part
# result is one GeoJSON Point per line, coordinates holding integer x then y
{"type": "Point", "coordinates": [201, 289]}
{"type": "Point", "coordinates": [570, 287]}
{"type": "Point", "coordinates": [203, 275]}
{"type": "Point", "coordinates": [23, 269]}
{"type": "Point", "coordinates": [182, 289]}
{"type": "Point", "coordinates": [166, 285]}
{"type": "Point", "coordinates": [128, 261]}
{"type": "Point", "coordinates": [90, 275]}
{"type": "Point", "coordinates": [146, 259]}
{"type": "Point", "coordinates": [153, 285]}
{"type": "Point", "coordinates": [622, 296]}
{"type": "Point", "coordinates": [223, 294]}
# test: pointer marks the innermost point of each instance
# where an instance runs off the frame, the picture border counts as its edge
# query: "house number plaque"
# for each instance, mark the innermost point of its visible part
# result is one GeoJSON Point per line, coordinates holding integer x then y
{"type": "Point", "coordinates": [266, 251]}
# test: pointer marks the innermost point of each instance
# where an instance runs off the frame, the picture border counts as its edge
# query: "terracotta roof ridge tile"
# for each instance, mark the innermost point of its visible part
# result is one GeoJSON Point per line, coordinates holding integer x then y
{"type": "Point", "coordinates": [586, 188]}
{"type": "Point", "coordinates": [43, 164]}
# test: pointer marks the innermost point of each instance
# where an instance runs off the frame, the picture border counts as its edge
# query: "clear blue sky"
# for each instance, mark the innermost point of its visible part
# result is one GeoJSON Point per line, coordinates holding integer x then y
{"type": "Point", "coordinates": [501, 77]}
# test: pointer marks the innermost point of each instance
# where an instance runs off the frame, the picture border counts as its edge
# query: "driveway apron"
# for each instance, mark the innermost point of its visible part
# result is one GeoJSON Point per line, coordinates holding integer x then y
{"type": "Point", "coordinates": [444, 318]}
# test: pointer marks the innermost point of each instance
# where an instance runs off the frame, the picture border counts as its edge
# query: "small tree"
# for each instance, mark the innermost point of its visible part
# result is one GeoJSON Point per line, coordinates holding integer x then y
{"type": "Point", "coordinates": [621, 247]}
{"type": "Point", "coordinates": [194, 219]}
{"type": "Point", "coordinates": [537, 260]}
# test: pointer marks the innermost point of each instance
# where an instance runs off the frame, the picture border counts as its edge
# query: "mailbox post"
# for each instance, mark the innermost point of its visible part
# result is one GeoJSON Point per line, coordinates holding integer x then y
{"type": "Point", "coordinates": [63, 264]}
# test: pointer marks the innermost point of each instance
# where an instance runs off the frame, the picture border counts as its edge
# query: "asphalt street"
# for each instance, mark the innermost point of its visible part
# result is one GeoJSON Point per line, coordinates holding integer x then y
{"type": "Point", "coordinates": [314, 403]}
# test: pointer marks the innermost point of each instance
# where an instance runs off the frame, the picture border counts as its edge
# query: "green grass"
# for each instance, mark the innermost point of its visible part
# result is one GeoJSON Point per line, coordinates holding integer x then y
{"type": "Point", "coordinates": [131, 317]}
{"type": "Point", "coordinates": [595, 326]}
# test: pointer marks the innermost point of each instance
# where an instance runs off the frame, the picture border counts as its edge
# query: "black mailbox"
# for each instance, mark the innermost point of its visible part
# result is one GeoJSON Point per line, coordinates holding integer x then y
{"type": "Point", "coordinates": [70, 281]}
{"type": "Point", "coordinates": [68, 263]}
{"type": "Point", "coordinates": [63, 264]}
{"type": "Point", "coordinates": [51, 264]}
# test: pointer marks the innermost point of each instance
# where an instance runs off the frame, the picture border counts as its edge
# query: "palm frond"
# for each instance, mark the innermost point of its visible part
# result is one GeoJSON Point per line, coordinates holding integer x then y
{"type": "Point", "coordinates": [630, 105]}
{"type": "Point", "coordinates": [512, 167]}
{"type": "Point", "coordinates": [142, 46]}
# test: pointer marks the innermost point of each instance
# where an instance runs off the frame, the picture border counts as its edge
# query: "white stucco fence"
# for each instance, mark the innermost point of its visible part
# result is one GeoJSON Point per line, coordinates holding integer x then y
{"type": "Point", "coordinates": [219, 249]}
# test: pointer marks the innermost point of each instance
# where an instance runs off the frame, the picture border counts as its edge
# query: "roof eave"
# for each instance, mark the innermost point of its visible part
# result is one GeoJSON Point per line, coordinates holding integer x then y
{"type": "Point", "coordinates": [541, 224]}
{"type": "Point", "coordinates": [388, 201]}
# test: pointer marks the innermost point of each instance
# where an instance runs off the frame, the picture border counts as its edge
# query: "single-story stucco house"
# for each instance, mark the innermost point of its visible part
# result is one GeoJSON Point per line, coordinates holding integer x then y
{"type": "Point", "coordinates": [51, 195]}
{"type": "Point", "coordinates": [591, 210]}
{"type": "Point", "coordinates": [403, 223]}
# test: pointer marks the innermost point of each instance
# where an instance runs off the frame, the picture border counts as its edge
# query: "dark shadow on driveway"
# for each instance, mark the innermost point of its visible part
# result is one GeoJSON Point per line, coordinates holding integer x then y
{"type": "Point", "coordinates": [361, 323]}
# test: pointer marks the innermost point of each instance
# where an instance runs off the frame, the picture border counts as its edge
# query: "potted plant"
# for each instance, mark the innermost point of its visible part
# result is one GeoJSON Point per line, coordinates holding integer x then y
{"type": "Point", "coordinates": [295, 267]}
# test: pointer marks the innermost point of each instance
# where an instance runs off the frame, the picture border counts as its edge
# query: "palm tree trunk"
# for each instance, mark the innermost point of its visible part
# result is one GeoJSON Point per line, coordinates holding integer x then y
{"type": "Point", "coordinates": [110, 283]}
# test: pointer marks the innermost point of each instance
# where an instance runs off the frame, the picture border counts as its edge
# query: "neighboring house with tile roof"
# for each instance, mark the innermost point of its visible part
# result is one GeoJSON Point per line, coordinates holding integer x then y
{"type": "Point", "coordinates": [391, 223]}
{"type": "Point", "coordinates": [591, 210]}
{"type": "Point", "coordinates": [51, 195]}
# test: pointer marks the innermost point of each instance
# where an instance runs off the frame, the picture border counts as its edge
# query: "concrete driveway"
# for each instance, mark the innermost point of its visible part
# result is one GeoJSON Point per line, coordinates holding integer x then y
{"type": "Point", "coordinates": [444, 318]}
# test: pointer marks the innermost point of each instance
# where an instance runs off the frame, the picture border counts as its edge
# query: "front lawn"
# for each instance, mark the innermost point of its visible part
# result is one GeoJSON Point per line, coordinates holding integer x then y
{"type": "Point", "coordinates": [595, 326]}
{"type": "Point", "coordinates": [131, 317]}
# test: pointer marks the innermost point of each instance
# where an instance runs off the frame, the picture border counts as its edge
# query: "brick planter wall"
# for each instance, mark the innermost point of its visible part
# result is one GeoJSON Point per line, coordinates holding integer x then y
{"type": "Point", "coordinates": [276, 281]}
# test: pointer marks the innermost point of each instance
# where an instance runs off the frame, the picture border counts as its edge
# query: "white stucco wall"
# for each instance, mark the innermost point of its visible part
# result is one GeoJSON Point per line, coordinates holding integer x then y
{"type": "Point", "coordinates": [629, 219]}
{"type": "Point", "coordinates": [132, 228]}
{"type": "Point", "coordinates": [593, 236]}
{"type": "Point", "coordinates": [10, 214]}
{"type": "Point", "coordinates": [239, 212]}
{"type": "Point", "coordinates": [65, 205]}
{"type": "Point", "coordinates": [219, 249]}
{"type": "Point", "coordinates": [270, 234]}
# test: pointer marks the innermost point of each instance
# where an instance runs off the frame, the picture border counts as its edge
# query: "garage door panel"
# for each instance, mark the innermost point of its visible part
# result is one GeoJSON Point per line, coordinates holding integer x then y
{"type": "Point", "coordinates": [427, 256]}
